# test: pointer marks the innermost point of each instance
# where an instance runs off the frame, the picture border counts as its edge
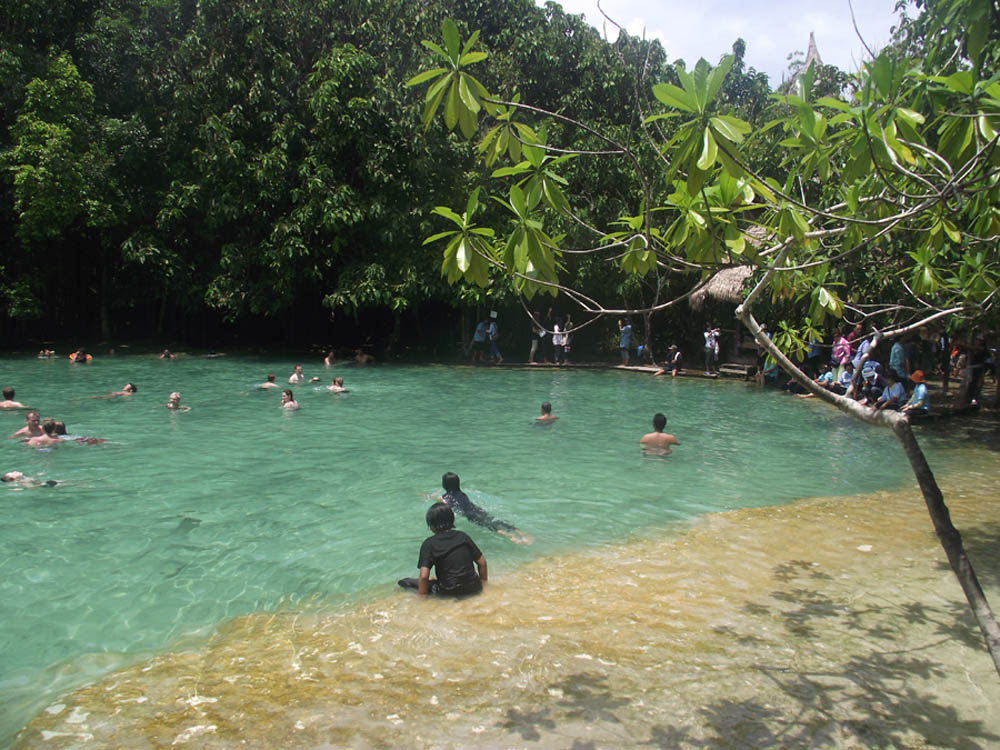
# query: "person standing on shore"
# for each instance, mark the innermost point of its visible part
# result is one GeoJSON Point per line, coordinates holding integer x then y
{"type": "Point", "coordinates": [493, 332]}
{"type": "Point", "coordinates": [711, 349]}
{"type": "Point", "coordinates": [625, 340]}
{"type": "Point", "coordinates": [537, 332]}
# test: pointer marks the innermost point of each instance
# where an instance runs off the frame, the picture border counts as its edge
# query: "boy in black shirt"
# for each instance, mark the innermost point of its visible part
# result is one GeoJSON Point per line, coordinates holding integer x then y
{"type": "Point", "coordinates": [452, 553]}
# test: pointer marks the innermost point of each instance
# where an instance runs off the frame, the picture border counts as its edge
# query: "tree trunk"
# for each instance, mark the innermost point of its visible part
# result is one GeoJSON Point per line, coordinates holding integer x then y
{"type": "Point", "coordinates": [161, 318]}
{"type": "Point", "coordinates": [950, 539]}
{"type": "Point", "coordinates": [647, 340]}
{"type": "Point", "coordinates": [102, 303]}
{"type": "Point", "coordinates": [394, 335]}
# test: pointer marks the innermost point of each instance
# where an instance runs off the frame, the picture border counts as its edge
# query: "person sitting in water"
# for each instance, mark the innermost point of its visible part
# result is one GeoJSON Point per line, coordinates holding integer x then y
{"type": "Point", "coordinates": [919, 403]}
{"type": "Point", "coordinates": [269, 384]}
{"type": "Point", "coordinates": [127, 390]}
{"type": "Point", "coordinates": [458, 501]}
{"type": "Point", "coordinates": [361, 358]}
{"type": "Point", "coordinates": [16, 477]}
{"type": "Point", "coordinates": [337, 386]}
{"type": "Point", "coordinates": [80, 356]}
{"type": "Point", "coordinates": [165, 354]}
{"type": "Point", "coordinates": [8, 400]}
{"type": "Point", "coordinates": [452, 554]}
{"type": "Point", "coordinates": [658, 442]}
{"type": "Point", "coordinates": [296, 376]}
{"type": "Point", "coordinates": [288, 400]}
{"type": "Point", "coordinates": [48, 438]}
{"type": "Point", "coordinates": [328, 360]}
{"type": "Point", "coordinates": [547, 415]}
{"type": "Point", "coordinates": [32, 427]}
{"type": "Point", "coordinates": [174, 402]}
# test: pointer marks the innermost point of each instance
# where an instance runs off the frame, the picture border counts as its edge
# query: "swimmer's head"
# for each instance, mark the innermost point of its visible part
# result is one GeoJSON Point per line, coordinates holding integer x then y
{"type": "Point", "coordinates": [338, 381]}
{"type": "Point", "coordinates": [32, 416]}
{"type": "Point", "coordinates": [16, 476]}
{"type": "Point", "coordinates": [450, 481]}
{"type": "Point", "coordinates": [546, 408]}
{"type": "Point", "coordinates": [659, 421]}
{"type": "Point", "coordinates": [60, 428]}
{"type": "Point", "coordinates": [175, 397]}
{"type": "Point", "coordinates": [286, 395]}
{"type": "Point", "coordinates": [270, 377]}
{"type": "Point", "coordinates": [49, 427]}
{"type": "Point", "coordinates": [130, 388]}
{"type": "Point", "coordinates": [440, 517]}
{"type": "Point", "coordinates": [8, 393]}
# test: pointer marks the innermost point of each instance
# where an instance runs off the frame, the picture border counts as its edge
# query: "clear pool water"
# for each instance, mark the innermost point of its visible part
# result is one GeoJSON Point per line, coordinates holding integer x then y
{"type": "Point", "coordinates": [181, 521]}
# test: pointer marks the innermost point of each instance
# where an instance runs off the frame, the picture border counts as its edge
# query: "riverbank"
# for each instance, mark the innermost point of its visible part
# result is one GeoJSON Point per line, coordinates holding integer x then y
{"type": "Point", "coordinates": [742, 629]}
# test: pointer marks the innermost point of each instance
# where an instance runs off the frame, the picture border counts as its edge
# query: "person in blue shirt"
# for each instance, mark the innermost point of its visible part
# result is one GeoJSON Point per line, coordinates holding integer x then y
{"type": "Point", "coordinates": [625, 339]}
{"type": "Point", "coordinates": [918, 403]}
{"type": "Point", "coordinates": [825, 379]}
{"type": "Point", "coordinates": [898, 359]}
{"type": "Point", "coordinates": [479, 342]}
{"type": "Point", "coordinates": [893, 394]}
{"type": "Point", "coordinates": [493, 334]}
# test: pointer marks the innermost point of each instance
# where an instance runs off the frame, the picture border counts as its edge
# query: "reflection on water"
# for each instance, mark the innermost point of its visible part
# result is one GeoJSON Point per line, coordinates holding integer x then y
{"type": "Point", "coordinates": [826, 623]}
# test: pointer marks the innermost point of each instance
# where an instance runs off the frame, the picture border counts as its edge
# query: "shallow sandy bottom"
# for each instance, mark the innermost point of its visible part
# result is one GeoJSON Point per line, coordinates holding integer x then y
{"type": "Point", "coordinates": [831, 623]}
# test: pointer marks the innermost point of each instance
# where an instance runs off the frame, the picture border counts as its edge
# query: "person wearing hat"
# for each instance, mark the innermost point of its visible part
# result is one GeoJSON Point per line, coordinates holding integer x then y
{"type": "Point", "coordinates": [872, 385]}
{"type": "Point", "coordinates": [918, 403]}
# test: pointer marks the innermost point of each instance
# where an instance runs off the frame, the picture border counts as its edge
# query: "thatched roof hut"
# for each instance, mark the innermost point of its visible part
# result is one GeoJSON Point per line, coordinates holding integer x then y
{"type": "Point", "coordinates": [726, 286]}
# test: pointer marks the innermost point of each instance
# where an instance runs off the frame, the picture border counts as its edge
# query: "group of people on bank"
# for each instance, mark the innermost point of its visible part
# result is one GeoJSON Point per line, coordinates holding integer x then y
{"type": "Point", "coordinates": [890, 383]}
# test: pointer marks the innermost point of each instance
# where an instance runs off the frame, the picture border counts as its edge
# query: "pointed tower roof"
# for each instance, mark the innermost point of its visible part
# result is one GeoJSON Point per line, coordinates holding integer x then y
{"type": "Point", "coordinates": [812, 56]}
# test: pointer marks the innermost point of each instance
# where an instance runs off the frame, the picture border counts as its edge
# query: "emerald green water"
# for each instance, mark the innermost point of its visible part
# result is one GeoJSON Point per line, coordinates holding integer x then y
{"type": "Point", "coordinates": [182, 521]}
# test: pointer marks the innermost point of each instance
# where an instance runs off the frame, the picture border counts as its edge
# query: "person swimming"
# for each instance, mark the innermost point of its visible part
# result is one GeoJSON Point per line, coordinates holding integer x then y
{"type": "Point", "coordinates": [127, 390]}
{"type": "Point", "coordinates": [17, 478]}
{"type": "Point", "coordinates": [459, 502]}
{"type": "Point", "coordinates": [288, 400]}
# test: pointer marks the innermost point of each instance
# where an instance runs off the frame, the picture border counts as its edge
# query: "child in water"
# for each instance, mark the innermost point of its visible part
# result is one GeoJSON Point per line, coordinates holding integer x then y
{"type": "Point", "coordinates": [452, 554]}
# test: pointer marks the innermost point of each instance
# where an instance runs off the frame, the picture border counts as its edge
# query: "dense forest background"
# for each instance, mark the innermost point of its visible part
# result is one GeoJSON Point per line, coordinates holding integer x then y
{"type": "Point", "coordinates": [255, 173]}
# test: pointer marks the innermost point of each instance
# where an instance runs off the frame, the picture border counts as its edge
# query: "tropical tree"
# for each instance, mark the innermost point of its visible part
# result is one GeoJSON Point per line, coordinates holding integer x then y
{"type": "Point", "coordinates": [897, 181]}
